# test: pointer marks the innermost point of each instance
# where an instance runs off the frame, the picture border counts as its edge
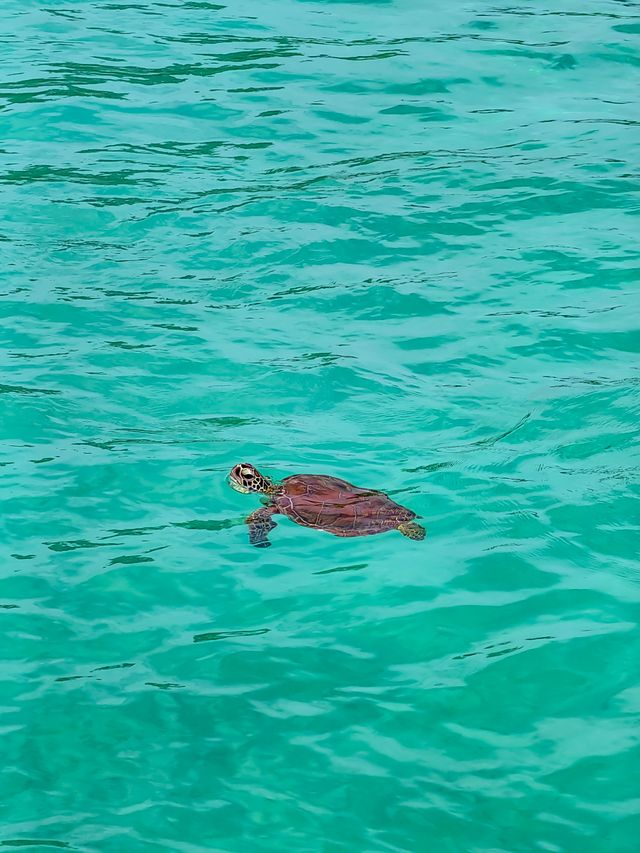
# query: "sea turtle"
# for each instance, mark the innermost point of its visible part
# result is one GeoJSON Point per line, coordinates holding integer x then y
{"type": "Point", "coordinates": [326, 503]}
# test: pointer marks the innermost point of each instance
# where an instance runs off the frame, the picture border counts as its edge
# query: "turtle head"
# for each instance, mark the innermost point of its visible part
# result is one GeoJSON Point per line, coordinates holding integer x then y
{"type": "Point", "coordinates": [245, 478]}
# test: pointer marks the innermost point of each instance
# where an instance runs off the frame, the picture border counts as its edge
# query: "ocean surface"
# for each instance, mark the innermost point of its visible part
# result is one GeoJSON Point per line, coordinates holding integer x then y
{"type": "Point", "coordinates": [395, 242]}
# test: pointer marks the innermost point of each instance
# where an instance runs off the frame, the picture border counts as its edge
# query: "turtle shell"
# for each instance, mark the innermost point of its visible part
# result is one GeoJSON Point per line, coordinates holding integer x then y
{"type": "Point", "coordinates": [338, 507]}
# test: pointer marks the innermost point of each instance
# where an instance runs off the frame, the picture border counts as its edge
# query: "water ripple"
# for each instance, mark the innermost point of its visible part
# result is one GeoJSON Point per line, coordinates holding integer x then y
{"type": "Point", "coordinates": [333, 237]}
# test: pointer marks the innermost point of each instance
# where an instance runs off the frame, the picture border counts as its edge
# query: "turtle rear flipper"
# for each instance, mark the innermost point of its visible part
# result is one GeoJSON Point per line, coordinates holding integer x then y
{"type": "Point", "coordinates": [260, 524]}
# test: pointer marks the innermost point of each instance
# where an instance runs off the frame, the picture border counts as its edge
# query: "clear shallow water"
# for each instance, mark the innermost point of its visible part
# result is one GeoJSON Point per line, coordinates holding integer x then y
{"type": "Point", "coordinates": [387, 241]}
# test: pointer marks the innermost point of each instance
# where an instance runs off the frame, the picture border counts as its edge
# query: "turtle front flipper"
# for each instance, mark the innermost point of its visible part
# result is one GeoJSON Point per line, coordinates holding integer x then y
{"type": "Point", "coordinates": [260, 523]}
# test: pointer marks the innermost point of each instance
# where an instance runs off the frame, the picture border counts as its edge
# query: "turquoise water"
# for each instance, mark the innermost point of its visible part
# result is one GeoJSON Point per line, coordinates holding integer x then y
{"type": "Point", "coordinates": [390, 241]}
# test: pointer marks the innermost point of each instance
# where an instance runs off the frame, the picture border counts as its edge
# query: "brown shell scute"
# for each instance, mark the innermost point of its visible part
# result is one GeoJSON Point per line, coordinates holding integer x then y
{"type": "Point", "coordinates": [334, 505]}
